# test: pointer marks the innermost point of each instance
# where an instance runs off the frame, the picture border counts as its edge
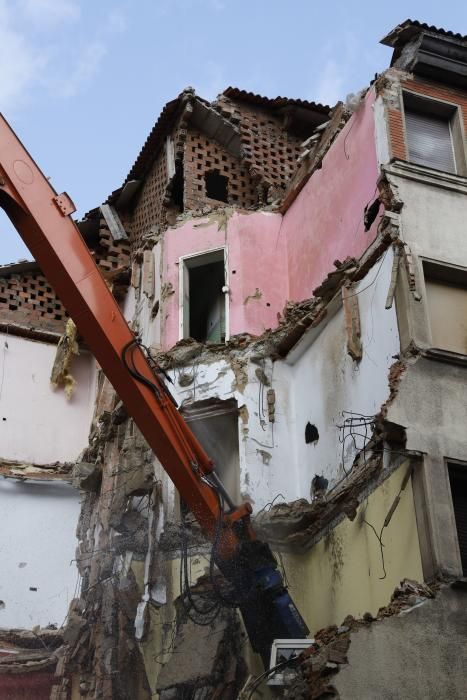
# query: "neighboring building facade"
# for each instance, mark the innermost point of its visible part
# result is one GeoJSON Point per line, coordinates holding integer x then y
{"type": "Point", "coordinates": [300, 272]}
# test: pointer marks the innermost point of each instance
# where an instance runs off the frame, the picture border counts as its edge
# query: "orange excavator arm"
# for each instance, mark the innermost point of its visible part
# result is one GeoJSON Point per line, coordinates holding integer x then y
{"type": "Point", "coordinates": [43, 219]}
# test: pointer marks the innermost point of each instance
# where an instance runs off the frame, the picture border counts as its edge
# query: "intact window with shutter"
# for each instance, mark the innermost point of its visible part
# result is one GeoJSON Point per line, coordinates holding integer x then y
{"type": "Point", "coordinates": [429, 141]}
{"type": "Point", "coordinates": [458, 481]}
{"type": "Point", "coordinates": [433, 134]}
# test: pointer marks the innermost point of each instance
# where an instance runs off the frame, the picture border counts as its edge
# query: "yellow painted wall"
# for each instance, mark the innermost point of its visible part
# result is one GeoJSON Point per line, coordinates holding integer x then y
{"type": "Point", "coordinates": [341, 574]}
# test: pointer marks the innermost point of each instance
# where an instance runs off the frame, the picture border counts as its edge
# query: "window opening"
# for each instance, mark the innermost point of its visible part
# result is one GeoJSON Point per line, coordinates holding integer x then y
{"type": "Point", "coordinates": [216, 186]}
{"type": "Point", "coordinates": [215, 424]}
{"type": "Point", "coordinates": [177, 186]}
{"type": "Point", "coordinates": [458, 482]}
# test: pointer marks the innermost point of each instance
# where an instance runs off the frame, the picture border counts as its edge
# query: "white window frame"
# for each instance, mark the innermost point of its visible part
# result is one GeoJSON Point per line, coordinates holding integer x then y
{"type": "Point", "coordinates": [185, 262]}
{"type": "Point", "coordinates": [457, 140]}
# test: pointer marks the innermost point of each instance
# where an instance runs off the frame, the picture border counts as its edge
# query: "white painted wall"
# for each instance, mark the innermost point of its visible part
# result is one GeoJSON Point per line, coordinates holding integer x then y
{"type": "Point", "coordinates": [319, 381]}
{"type": "Point", "coordinates": [38, 424]}
{"type": "Point", "coordinates": [326, 381]}
{"type": "Point", "coordinates": [266, 466]}
{"type": "Point", "coordinates": [37, 544]}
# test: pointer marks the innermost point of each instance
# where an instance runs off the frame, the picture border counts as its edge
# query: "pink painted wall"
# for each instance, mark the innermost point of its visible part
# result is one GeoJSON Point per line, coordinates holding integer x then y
{"type": "Point", "coordinates": [325, 222]}
{"type": "Point", "coordinates": [257, 260]}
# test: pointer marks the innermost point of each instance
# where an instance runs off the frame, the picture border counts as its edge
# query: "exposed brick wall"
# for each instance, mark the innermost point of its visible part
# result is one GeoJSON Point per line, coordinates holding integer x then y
{"type": "Point", "coordinates": [433, 90]}
{"type": "Point", "coordinates": [149, 211]}
{"type": "Point", "coordinates": [27, 299]}
{"type": "Point", "coordinates": [111, 255]}
{"type": "Point", "coordinates": [397, 134]}
{"type": "Point", "coordinates": [267, 145]}
{"type": "Point", "coordinates": [203, 155]}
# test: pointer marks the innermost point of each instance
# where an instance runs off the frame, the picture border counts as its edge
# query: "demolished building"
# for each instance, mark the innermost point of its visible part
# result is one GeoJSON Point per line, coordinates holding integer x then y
{"type": "Point", "coordinates": [299, 272]}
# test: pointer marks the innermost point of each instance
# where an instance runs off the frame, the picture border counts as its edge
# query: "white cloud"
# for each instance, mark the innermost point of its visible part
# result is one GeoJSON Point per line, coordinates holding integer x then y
{"type": "Point", "coordinates": [49, 13]}
{"type": "Point", "coordinates": [86, 67]}
{"type": "Point", "coordinates": [61, 64]}
{"type": "Point", "coordinates": [21, 62]}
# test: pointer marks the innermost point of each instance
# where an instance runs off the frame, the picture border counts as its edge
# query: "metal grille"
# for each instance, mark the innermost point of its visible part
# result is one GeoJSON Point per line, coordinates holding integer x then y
{"type": "Point", "coordinates": [458, 480]}
{"type": "Point", "coordinates": [429, 141]}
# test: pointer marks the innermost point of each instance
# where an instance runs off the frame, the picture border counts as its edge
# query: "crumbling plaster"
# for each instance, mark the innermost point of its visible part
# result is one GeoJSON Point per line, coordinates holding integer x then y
{"type": "Point", "coordinates": [38, 424]}
{"type": "Point", "coordinates": [325, 381]}
{"type": "Point", "coordinates": [38, 545]}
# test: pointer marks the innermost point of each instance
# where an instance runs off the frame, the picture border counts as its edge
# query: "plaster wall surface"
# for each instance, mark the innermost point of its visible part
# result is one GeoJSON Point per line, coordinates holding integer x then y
{"type": "Point", "coordinates": [267, 466]}
{"type": "Point", "coordinates": [432, 404]}
{"type": "Point", "coordinates": [433, 219]}
{"type": "Point", "coordinates": [326, 381]}
{"type": "Point", "coordinates": [325, 222]}
{"type": "Point", "coordinates": [420, 655]}
{"type": "Point", "coordinates": [37, 544]}
{"type": "Point", "coordinates": [257, 271]}
{"type": "Point", "coordinates": [343, 574]}
{"type": "Point", "coordinates": [37, 424]}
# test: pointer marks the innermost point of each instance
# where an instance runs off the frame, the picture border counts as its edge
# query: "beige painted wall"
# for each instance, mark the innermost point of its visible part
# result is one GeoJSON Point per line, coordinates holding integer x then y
{"type": "Point", "coordinates": [447, 306]}
{"type": "Point", "coordinates": [341, 574]}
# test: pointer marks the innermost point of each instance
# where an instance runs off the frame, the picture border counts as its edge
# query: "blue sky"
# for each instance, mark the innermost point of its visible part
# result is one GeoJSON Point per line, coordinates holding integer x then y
{"type": "Point", "coordinates": [82, 81]}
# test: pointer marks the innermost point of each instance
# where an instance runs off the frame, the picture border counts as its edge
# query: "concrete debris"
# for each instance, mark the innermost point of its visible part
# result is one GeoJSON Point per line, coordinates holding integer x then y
{"type": "Point", "coordinates": [45, 472]}
{"type": "Point", "coordinates": [352, 322]}
{"type": "Point", "coordinates": [66, 349]}
{"type": "Point", "coordinates": [218, 672]}
{"type": "Point", "coordinates": [299, 523]}
{"type": "Point", "coordinates": [394, 277]}
{"type": "Point", "coordinates": [87, 476]}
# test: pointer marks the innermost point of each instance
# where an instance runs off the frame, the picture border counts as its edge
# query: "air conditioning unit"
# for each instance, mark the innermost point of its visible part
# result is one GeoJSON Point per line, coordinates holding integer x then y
{"type": "Point", "coordinates": [283, 650]}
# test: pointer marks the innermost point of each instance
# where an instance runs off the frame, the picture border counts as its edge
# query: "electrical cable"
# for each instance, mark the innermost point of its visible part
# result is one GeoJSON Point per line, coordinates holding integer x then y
{"type": "Point", "coordinates": [185, 589]}
{"type": "Point", "coordinates": [259, 680]}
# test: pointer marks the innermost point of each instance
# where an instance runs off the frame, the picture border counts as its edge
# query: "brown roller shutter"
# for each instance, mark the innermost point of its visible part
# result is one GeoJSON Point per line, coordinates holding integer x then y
{"type": "Point", "coordinates": [458, 480]}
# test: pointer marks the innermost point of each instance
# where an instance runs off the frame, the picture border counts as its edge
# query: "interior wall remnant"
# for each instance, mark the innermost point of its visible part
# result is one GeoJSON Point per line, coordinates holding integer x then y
{"type": "Point", "coordinates": [38, 545]}
{"type": "Point", "coordinates": [29, 407]}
